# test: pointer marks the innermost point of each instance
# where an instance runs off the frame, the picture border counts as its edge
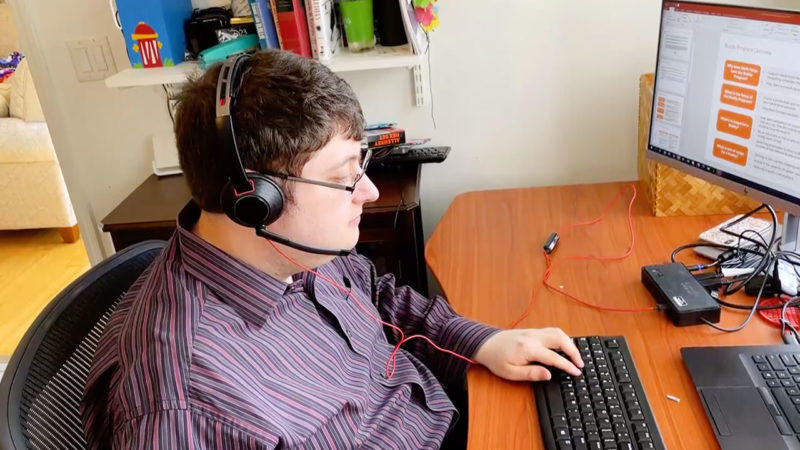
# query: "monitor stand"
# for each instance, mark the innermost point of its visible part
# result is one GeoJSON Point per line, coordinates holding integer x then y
{"type": "Point", "coordinates": [790, 241]}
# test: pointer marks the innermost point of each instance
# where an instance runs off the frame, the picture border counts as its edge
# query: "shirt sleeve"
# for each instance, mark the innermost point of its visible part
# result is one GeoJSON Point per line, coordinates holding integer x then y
{"type": "Point", "coordinates": [184, 429]}
{"type": "Point", "coordinates": [434, 318]}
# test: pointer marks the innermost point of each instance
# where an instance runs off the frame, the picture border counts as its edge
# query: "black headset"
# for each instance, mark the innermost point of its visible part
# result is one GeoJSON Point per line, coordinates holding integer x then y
{"type": "Point", "coordinates": [250, 199]}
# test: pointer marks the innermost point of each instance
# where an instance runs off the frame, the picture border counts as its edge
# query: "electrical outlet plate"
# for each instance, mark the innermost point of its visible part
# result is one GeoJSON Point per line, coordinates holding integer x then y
{"type": "Point", "coordinates": [92, 59]}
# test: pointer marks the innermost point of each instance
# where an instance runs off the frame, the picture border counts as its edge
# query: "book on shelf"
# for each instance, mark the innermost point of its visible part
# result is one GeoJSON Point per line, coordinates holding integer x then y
{"type": "Point", "coordinates": [384, 137]}
{"type": "Point", "coordinates": [414, 33]}
{"type": "Point", "coordinates": [323, 29]}
{"type": "Point", "coordinates": [292, 26]}
{"type": "Point", "coordinates": [265, 24]}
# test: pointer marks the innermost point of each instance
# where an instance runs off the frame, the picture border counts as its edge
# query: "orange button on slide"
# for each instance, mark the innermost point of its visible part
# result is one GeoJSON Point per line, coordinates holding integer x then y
{"type": "Point", "coordinates": [735, 124]}
{"type": "Point", "coordinates": [731, 152]}
{"type": "Point", "coordinates": [738, 96]}
{"type": "Point", "coordinates": [741, 72]}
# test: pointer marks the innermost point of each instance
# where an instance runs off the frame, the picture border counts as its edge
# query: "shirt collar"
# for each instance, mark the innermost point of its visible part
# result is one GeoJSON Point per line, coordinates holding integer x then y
{"type": "Point", "coordinates": [252, 293]}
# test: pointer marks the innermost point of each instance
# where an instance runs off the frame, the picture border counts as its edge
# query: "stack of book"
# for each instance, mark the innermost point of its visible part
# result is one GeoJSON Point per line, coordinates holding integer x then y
{"type": "Point", "coordinates": [312, 28]}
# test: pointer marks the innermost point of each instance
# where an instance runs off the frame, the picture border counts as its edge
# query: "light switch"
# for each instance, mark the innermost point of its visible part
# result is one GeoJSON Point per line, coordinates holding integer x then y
{"type": "Point", "coordinates": [92, 59]}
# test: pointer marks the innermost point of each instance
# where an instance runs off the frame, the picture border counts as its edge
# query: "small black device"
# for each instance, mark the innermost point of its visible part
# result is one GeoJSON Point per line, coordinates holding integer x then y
{"type": "Point", "coordinates": [417, 155]}
{"type": "Point", "coordinates": [750, 394]}
{"type": "Point", "coordinates": [686, 301]}
{"type": "Point", "coordinates": [604, 407]}
{"type": "Point", "coordinates": [201, 28]}
{"type": "Point", "coordinates": [250, 199]}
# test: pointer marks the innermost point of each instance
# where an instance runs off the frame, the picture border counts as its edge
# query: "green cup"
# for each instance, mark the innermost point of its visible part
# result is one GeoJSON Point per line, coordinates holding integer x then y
{"type": "Point", "coordinates": [357, 18]}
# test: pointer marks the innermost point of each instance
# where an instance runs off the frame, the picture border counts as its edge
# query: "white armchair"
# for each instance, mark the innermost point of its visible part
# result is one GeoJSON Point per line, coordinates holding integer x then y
{"type": "Point", "coordinates": [32, 189]}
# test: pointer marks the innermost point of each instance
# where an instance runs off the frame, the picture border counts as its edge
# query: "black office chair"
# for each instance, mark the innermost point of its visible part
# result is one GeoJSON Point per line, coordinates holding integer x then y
{"type": "Point", "coordinates": [43, 383]}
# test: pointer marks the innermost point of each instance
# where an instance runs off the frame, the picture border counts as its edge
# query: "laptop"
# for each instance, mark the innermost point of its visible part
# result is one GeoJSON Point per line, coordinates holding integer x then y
{"type": "Point", "coordinates": [751, 394]}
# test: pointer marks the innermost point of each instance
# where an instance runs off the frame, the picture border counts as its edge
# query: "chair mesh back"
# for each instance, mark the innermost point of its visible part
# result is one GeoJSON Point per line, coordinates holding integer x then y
{"type": "Point", "coordinates": [60, 346]}
{"type": "Point", "coordinates": [51, 412]}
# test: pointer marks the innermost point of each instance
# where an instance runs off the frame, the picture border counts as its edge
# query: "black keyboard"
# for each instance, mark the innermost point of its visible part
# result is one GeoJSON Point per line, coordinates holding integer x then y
{"type": "Point", "coordinates": [604, 408]}
{"type": "Point", "coordinates": [779, 374]}
{"type": "Point", "coordinates": [416, 155]}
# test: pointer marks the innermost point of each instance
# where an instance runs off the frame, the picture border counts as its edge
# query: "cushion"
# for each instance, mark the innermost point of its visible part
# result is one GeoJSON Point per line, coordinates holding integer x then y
{"type": "Point", "coordinates": [24, 142]}
{"type": "Point", "coordinates": [3, 107]}
{"type": "Point", "coordinates": [5, 98]}
{"type": "Point", "coordinates": [24, 103]}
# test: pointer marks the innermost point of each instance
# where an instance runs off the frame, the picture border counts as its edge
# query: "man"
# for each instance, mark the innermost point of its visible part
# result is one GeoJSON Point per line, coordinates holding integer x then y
{"type": "Point", "coordinates": [226, 342]}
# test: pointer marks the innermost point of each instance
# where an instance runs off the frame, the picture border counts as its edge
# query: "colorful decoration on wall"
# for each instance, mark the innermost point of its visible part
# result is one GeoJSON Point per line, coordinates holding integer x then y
{"type": "Point", "coordinates": [427, 13]}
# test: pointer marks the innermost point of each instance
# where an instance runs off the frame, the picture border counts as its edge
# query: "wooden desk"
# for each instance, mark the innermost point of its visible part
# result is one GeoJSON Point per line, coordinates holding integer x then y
{"type": "Point", "coordinates": [487, 254]}
{"type": "Point", "coordinates": [391, 228]}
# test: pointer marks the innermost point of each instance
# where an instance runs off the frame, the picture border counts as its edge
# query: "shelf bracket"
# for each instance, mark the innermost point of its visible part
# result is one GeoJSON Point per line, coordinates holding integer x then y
{"type": "Point", "coordinates": [419, 86]}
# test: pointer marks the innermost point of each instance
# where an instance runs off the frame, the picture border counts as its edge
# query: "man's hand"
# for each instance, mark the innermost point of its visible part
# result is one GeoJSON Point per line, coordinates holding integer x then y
{"type": "Point", "coordinates": [514, 354]}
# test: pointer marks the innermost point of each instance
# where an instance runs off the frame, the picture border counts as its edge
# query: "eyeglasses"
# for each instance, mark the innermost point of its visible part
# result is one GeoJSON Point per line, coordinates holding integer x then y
{"type": "Point", "coordinates": [343, 187]}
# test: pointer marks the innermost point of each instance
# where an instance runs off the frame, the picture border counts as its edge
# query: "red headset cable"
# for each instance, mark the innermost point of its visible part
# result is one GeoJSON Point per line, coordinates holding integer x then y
{"type": "Point", "coordinates": [391, 364]}
{"type": "Point", "coordinates": [551, 266]}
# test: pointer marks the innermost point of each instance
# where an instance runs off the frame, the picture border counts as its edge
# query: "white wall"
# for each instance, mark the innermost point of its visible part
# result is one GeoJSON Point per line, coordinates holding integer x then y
{"type": "Point", "coordinates": [528, 93]}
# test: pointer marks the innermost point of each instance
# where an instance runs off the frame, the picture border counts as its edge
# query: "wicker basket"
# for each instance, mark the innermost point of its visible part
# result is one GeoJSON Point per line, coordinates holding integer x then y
{"type": "Point", "coordinates": [672, 192]}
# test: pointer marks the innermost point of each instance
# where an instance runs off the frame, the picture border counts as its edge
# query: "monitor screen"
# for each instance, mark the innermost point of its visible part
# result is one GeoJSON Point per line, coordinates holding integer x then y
{"type": "Point", "coordinates": [726, 104]}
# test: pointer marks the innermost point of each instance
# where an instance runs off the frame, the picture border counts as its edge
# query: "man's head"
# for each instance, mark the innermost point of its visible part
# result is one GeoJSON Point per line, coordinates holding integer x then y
{"type": "Point", "coordinates": [292, 116]}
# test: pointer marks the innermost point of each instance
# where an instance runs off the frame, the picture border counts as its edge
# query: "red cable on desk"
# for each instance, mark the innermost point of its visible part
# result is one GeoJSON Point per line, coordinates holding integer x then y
{"type": "Point", "coordinates": [552, 266]}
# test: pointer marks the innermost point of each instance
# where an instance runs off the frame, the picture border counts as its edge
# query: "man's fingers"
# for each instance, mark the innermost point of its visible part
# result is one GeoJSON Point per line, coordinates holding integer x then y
{"type": "Point", "coordinates": [528, 373]}
{"type": "Point", "coordinates": [558, 340]}
{"type": "Point", "coordinates": [551, 358]}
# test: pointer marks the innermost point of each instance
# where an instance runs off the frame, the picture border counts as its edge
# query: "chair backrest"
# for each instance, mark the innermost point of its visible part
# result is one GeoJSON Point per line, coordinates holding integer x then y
{"type": "Point", "coordinates": [41, 389]}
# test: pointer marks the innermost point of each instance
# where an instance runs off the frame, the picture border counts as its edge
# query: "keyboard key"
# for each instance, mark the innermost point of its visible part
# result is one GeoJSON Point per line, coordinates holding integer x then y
{"type": "Point", "coordinates": [787, 360]}
{"type": "Point", "coordinates": [576, 432]}
{"type": "Point", "coordinates": [609, 444]}
{"type": "Point", "coordinates": [787, 383]}
{"type": "Point", "coordinates": [768, 375]}
{"type": "Point", "coordinates": [639, 426]}
{"type": "Point", "coordinates": [579, 443]}
{"type": "Point", "coordinates": [764, 367]}
{"type": "Point", "coordinates": [773, 383]}
{"type": "Point", "coordinates": [564, 444]}
{"type": "Point", "coordinates": [643, 436]}
{"type": "Point", "coordinates": [612, 343]}
{"type": "Point", "coordinates": [561, 432]}
{"type": "Point", "coordinates": [782, 374]}
{"type": "Point", "coordinates": [758, 359]}
{"type": "Point", "coordinates": [646, 445]}
{"type": "Point", "coordinates": [796, 400]}
{"type": "Point", "coordinates": [794, 370]}
{"type": "Point", "coordinates": [559, 420]}
{"type": "Point", "coordinates": [775, 362]}
{"type": "Point", "coordinates": [793, 391]}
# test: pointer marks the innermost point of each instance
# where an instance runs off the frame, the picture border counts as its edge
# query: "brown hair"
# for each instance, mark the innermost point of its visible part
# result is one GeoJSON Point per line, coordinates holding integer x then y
{"type": "Point", "coordinates": [287, 108]}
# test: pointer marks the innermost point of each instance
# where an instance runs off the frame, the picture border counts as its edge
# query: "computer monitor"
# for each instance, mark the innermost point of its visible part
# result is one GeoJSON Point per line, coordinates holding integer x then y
{"type": "Point", "coordinates": [726, 104]}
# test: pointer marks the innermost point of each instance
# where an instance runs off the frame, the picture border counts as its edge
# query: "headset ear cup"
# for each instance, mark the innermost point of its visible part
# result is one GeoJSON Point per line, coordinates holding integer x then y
{"type": "Point", "coordinates": [255, 209]}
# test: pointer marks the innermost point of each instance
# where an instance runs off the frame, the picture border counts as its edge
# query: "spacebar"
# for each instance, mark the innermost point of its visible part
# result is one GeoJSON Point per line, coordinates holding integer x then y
{"type": "Point", "coordinates": [788, 408]}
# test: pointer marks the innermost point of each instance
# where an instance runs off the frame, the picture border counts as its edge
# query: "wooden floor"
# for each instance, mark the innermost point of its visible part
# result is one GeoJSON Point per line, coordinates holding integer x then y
{"type": "Point", "coordinates": [34, 266]}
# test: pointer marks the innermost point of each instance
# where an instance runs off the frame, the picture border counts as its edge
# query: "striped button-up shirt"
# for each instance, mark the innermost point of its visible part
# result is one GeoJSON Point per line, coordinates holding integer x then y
{"type": "Point", "coordinates": [206, 351]}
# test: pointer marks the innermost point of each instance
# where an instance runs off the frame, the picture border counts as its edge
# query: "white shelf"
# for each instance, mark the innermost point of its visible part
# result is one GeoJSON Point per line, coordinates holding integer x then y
{"type": "Point", "coordinates": [343, 61]}
{"type": "Point", "coordinates": [154, 76]}
{"type": "Point", "coordinates": [377, 58]}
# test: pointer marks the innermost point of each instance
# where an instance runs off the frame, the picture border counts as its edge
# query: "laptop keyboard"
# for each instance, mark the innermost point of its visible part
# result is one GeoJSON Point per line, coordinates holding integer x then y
{"type": "Point", "coordinates": [780, 376]}
{"type": "Point", "coordinates": [604, 408]}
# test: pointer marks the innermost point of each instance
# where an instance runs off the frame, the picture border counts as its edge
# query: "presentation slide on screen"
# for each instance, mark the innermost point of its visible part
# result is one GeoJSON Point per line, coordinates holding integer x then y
{"type": "Point", "coordinates": [755, 130]}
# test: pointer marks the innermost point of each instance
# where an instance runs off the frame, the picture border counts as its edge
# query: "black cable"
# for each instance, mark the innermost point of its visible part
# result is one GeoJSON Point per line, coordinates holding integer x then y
{"type": "Point", "coordinates": [752, 310]}
{"type": "Point", "coordinates": [785, 323]}
{"type": "Point", "coordinates": [765, 261]}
